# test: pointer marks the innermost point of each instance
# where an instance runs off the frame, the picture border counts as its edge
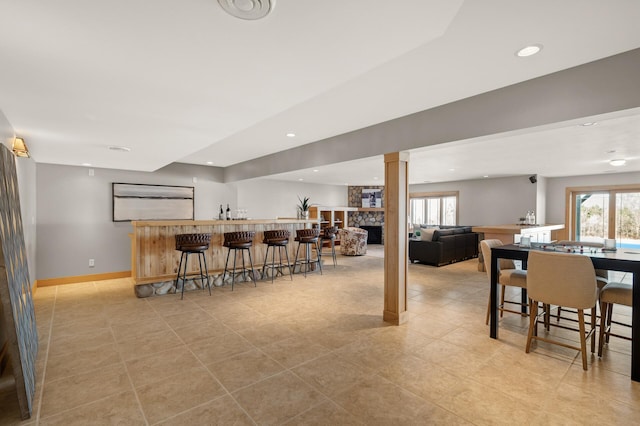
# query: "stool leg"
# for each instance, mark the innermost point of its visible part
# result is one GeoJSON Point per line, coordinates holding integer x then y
{"type": "Point", "coordinates": [233, 273]}
{"type": "Point", "coordinates": [179, 269]}
{"type": "Point", "coordinates": [266, 256]}
{"type": "Point", "coordinates": [184, 275]}
{"type": "Point", "coordinates": [319, 257]}
{"type": "Point", "coordinates": [274, 270]}
{"type": "Point", "coordinates": [253, 274]}
{"type": "Point", "coordinates": [333, 252]}
{"type": "Point", "coordinates": [206, 271]}
{"type": "Point", "coordinates": [226, 264]}
{"type": "Point", "coordinates": [201, 275]}
{"type": "Point", "coordinates": [295, 260]}
{"type": "Point", "coordinates": [286, 252]}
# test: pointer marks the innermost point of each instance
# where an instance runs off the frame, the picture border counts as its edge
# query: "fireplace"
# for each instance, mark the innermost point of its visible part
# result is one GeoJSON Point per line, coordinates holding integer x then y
{"type": "Point", "coordinates": [375, 234]}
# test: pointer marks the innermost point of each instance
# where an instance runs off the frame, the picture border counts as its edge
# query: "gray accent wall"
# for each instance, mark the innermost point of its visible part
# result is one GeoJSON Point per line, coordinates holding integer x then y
{"type": "Point", "coordinates": [74, 219]}
{"type": "Point", "coordinates": [489, 201]}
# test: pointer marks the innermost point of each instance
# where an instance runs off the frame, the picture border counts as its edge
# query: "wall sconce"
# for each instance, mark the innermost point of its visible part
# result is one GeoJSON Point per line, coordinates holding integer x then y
{"type": "Point", "coordinates": [20, 148]}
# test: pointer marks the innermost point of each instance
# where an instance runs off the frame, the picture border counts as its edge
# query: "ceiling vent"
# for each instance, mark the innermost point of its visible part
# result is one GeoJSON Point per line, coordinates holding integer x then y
{"type": "Point", "coordinates": [248, 9]}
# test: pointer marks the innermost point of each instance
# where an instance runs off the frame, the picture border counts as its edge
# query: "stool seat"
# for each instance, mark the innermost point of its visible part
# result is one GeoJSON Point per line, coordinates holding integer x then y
{"type": "Point", "coordinates": [276, 238]}
{"type": "Point", "coordinates": [618, 293]}
{"type": "Point", "coordinates": [189, 244]}
{"type": "Point", "coordinates": [308, 237]}
{"type": "Point", "coordinates": [238, 240]}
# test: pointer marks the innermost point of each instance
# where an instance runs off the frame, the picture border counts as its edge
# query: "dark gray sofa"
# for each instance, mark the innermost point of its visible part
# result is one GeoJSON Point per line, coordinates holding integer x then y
{"type": "Point", "coordinates": [449, 244]}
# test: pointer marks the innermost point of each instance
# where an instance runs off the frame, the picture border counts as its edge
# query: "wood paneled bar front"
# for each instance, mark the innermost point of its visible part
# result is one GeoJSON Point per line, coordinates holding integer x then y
{"type": "Point", "coordinates": [154, 257]}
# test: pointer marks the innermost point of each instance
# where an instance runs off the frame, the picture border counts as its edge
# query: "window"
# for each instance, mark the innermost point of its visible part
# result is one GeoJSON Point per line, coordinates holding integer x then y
{"type": "Point", "coordinates": [438, 208]}
{"type": "Point", "coordinates": [596, 213]}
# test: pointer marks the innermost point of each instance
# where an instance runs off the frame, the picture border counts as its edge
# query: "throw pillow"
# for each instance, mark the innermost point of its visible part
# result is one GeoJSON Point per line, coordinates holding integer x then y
{"type": "Point", "coordinates": [427, 233]}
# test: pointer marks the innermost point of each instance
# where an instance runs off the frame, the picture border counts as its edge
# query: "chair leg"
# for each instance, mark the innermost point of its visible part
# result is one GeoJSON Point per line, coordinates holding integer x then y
{"type": "Point", "coordinates": [593, 326]}
{"type": "Point", "coordinates": [273, 263]}
{"type": "Point", "coordinates": [533, 315]}
{"type": "Point", "coordinates": [295, 259]}
{"type": "Point", "coordinates": [206, 272]}
{"type": "Point", "coordinates": [502, 291]}
{"type": "Point", "coordinates": [233, 273]}
{"type": "Point", "coordinates": [179, 269]}
{"type": "Point", "coordinates": [226, 264]}
{"type": "Point", "coordinates": [583, 340]}
{"type": "Point", "coordinates": [604, 308]}
{"type": "Point", "coordinates": [609, 319]}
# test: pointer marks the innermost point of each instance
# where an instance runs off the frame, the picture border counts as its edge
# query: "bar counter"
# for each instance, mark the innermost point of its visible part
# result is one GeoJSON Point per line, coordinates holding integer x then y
{"type": "Point", "coordinates": [154, 257]}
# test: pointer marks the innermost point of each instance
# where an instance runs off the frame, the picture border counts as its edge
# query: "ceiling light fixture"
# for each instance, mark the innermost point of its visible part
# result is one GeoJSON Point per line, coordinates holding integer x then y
{"type": "Point", "coordinates": [119, 148]}
{"type": "Point", "coordinates": [247, 9]}
{"type": "Point", "coordinates": [589, 124]}
{"type": "Point", "coordinates": [209, 162]}
{"type": "Point", "coordinates": [618, 162]}
{"type": "Point", "coordinates": [20, 148]}
{"type": "Point", "coordinates": [291, 135]}
{"type": "Point", "coordinates": [315, 170]}
{"type": "Point", "coordinates": [529, 50]}
{"type": "Point", "coordinates": [300, 179]}
{"type": "Point", "coordinates": [86, 164]}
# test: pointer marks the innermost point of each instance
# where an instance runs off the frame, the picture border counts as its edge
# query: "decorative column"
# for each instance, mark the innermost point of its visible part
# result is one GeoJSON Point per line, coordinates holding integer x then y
{"type": "Point", "coordinates": [396, 196]}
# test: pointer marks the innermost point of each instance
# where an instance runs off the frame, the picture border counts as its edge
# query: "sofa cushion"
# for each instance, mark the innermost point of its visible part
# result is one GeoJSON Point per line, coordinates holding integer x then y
{"type": "Point", "coordinates": [441, 233]}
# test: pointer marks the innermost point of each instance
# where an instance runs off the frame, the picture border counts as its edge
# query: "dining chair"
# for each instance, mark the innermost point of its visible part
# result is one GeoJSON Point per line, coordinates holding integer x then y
{"type": "Point", "coordinates": [562, 279]}
{"type": "Point", "coordinates": [509, 275]}
{"type": "Point", "coordinates": [602, 275]}
{"type": "Point", "coordinates": [612, 293]}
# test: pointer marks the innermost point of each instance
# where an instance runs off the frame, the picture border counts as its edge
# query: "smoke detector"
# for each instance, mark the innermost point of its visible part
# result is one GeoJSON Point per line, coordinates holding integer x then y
{"type": "Point", "coordinates": [248, 9]}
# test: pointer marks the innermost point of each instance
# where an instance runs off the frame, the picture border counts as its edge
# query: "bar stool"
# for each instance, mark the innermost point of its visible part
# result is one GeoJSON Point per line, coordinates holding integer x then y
{"type": "Point", "coordinates": [308, 237]}
{"type": "Point", "coordinates": [329, 233]}
{"type": "Point", "coordinates": [239, 240]}
{"type": "Point", "coordinates": [192, 243]}
{"type": "Point", "coordinates": [280, 239]}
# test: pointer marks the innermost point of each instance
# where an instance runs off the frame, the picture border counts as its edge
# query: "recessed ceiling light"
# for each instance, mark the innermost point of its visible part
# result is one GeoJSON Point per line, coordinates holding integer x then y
{"type": "Point", "coordinates": [316, 170]}
{"type": "Point", "coordinates": [209, 162]}
{"type": "Point", "coordinates": [485, 176]}
{"type": "Point", "coordinates": [119, 148]}
{"type": "Point", "coordinates": [86, 164]}
{"type": "Point", "coordinates": [291, 135]}
{"type": "Point", "coordinates": [618, 162]}
{"type": "Point", "coordinates": [452, 170]}
{"type": "Point", "coordinates": [589, 124]}
{"type": "Point", "coordinates": [529, 50]}
{"type": "Point", "coordinates": [300, 179]}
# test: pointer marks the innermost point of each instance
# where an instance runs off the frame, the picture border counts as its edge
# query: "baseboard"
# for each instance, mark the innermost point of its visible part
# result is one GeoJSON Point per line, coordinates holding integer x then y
{"type": "Point", "coordinates": [82, 278]}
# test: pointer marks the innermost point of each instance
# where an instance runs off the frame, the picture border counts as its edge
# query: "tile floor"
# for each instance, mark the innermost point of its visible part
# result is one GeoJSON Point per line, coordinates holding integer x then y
{"type": "Point", "coordinates": [312, 351]}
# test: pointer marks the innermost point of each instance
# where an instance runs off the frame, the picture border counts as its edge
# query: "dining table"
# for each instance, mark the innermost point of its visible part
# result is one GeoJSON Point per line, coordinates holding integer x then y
{"type": "Point", "coordinates": [620, 259]}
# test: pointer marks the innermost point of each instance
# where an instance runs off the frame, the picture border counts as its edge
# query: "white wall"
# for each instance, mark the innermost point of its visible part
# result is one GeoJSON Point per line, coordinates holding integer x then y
{"type": "Point", "coordinates": [268, 199]}
{"type": "Point", "coordinates": [489, 201]}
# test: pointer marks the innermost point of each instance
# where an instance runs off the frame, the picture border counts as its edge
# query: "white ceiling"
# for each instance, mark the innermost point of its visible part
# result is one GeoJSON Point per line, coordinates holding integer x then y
{"type": "Point", "coordinates": [186, 82]}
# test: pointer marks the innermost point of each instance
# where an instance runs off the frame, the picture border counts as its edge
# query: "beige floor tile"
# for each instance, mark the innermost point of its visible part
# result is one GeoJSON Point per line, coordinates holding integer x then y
{"type": "Point", "coordinates": [325, 414]}
{"type": "Point", "coordinates": [120, 409]}
{"type": "Point", "coordinates": [159, 366]}
{"type": "Point", "coordinates": [81, 361]}
{"type": "Point", "coordinates": [378, 401]}
{"type": "Point", "coordinates": [294, 351]}
{"type": "Point", "coordinates": [175, 394]}
{"type": "Point", "coordinates": [219, 348]}
{"type": "Point", "coordinates": [137, 329]}
{"type": "Point", "coordinates": [222, 411]}
{"type": "Point", "coordinates": [277, 399]}
{"type": "Point", "coordinates": [331, 374]}
{"type": "Point", "coordinates": [191, 318]}
{"type": "Point", "coordinates": [71, 392]}
{"type": "Point", "coordinates": [193, 332]}
{"type": "Point", "coordinates": [148, 344]}
{"type": "Point", "coordinates": [74, 342]}
{"type": "Point", "coordinates": [266, 334]}
{"type": "Point", "coordinates": [244, 369]}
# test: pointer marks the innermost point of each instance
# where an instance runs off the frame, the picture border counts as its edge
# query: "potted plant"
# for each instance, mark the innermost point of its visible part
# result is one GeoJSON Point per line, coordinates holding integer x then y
{"type": "Point", "coordinates": [303, 207]}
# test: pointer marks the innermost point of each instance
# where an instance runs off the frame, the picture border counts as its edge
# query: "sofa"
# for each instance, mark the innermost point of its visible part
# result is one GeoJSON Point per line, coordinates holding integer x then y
{"type": "Point", "coordinates": [444, 245]}
{"type": "Point", "coordinates": [353, 241]}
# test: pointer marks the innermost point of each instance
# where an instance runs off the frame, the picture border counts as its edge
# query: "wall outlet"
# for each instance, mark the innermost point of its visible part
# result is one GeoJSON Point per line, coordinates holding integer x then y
{"type": "Point", "coordinates": [92, 263]}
